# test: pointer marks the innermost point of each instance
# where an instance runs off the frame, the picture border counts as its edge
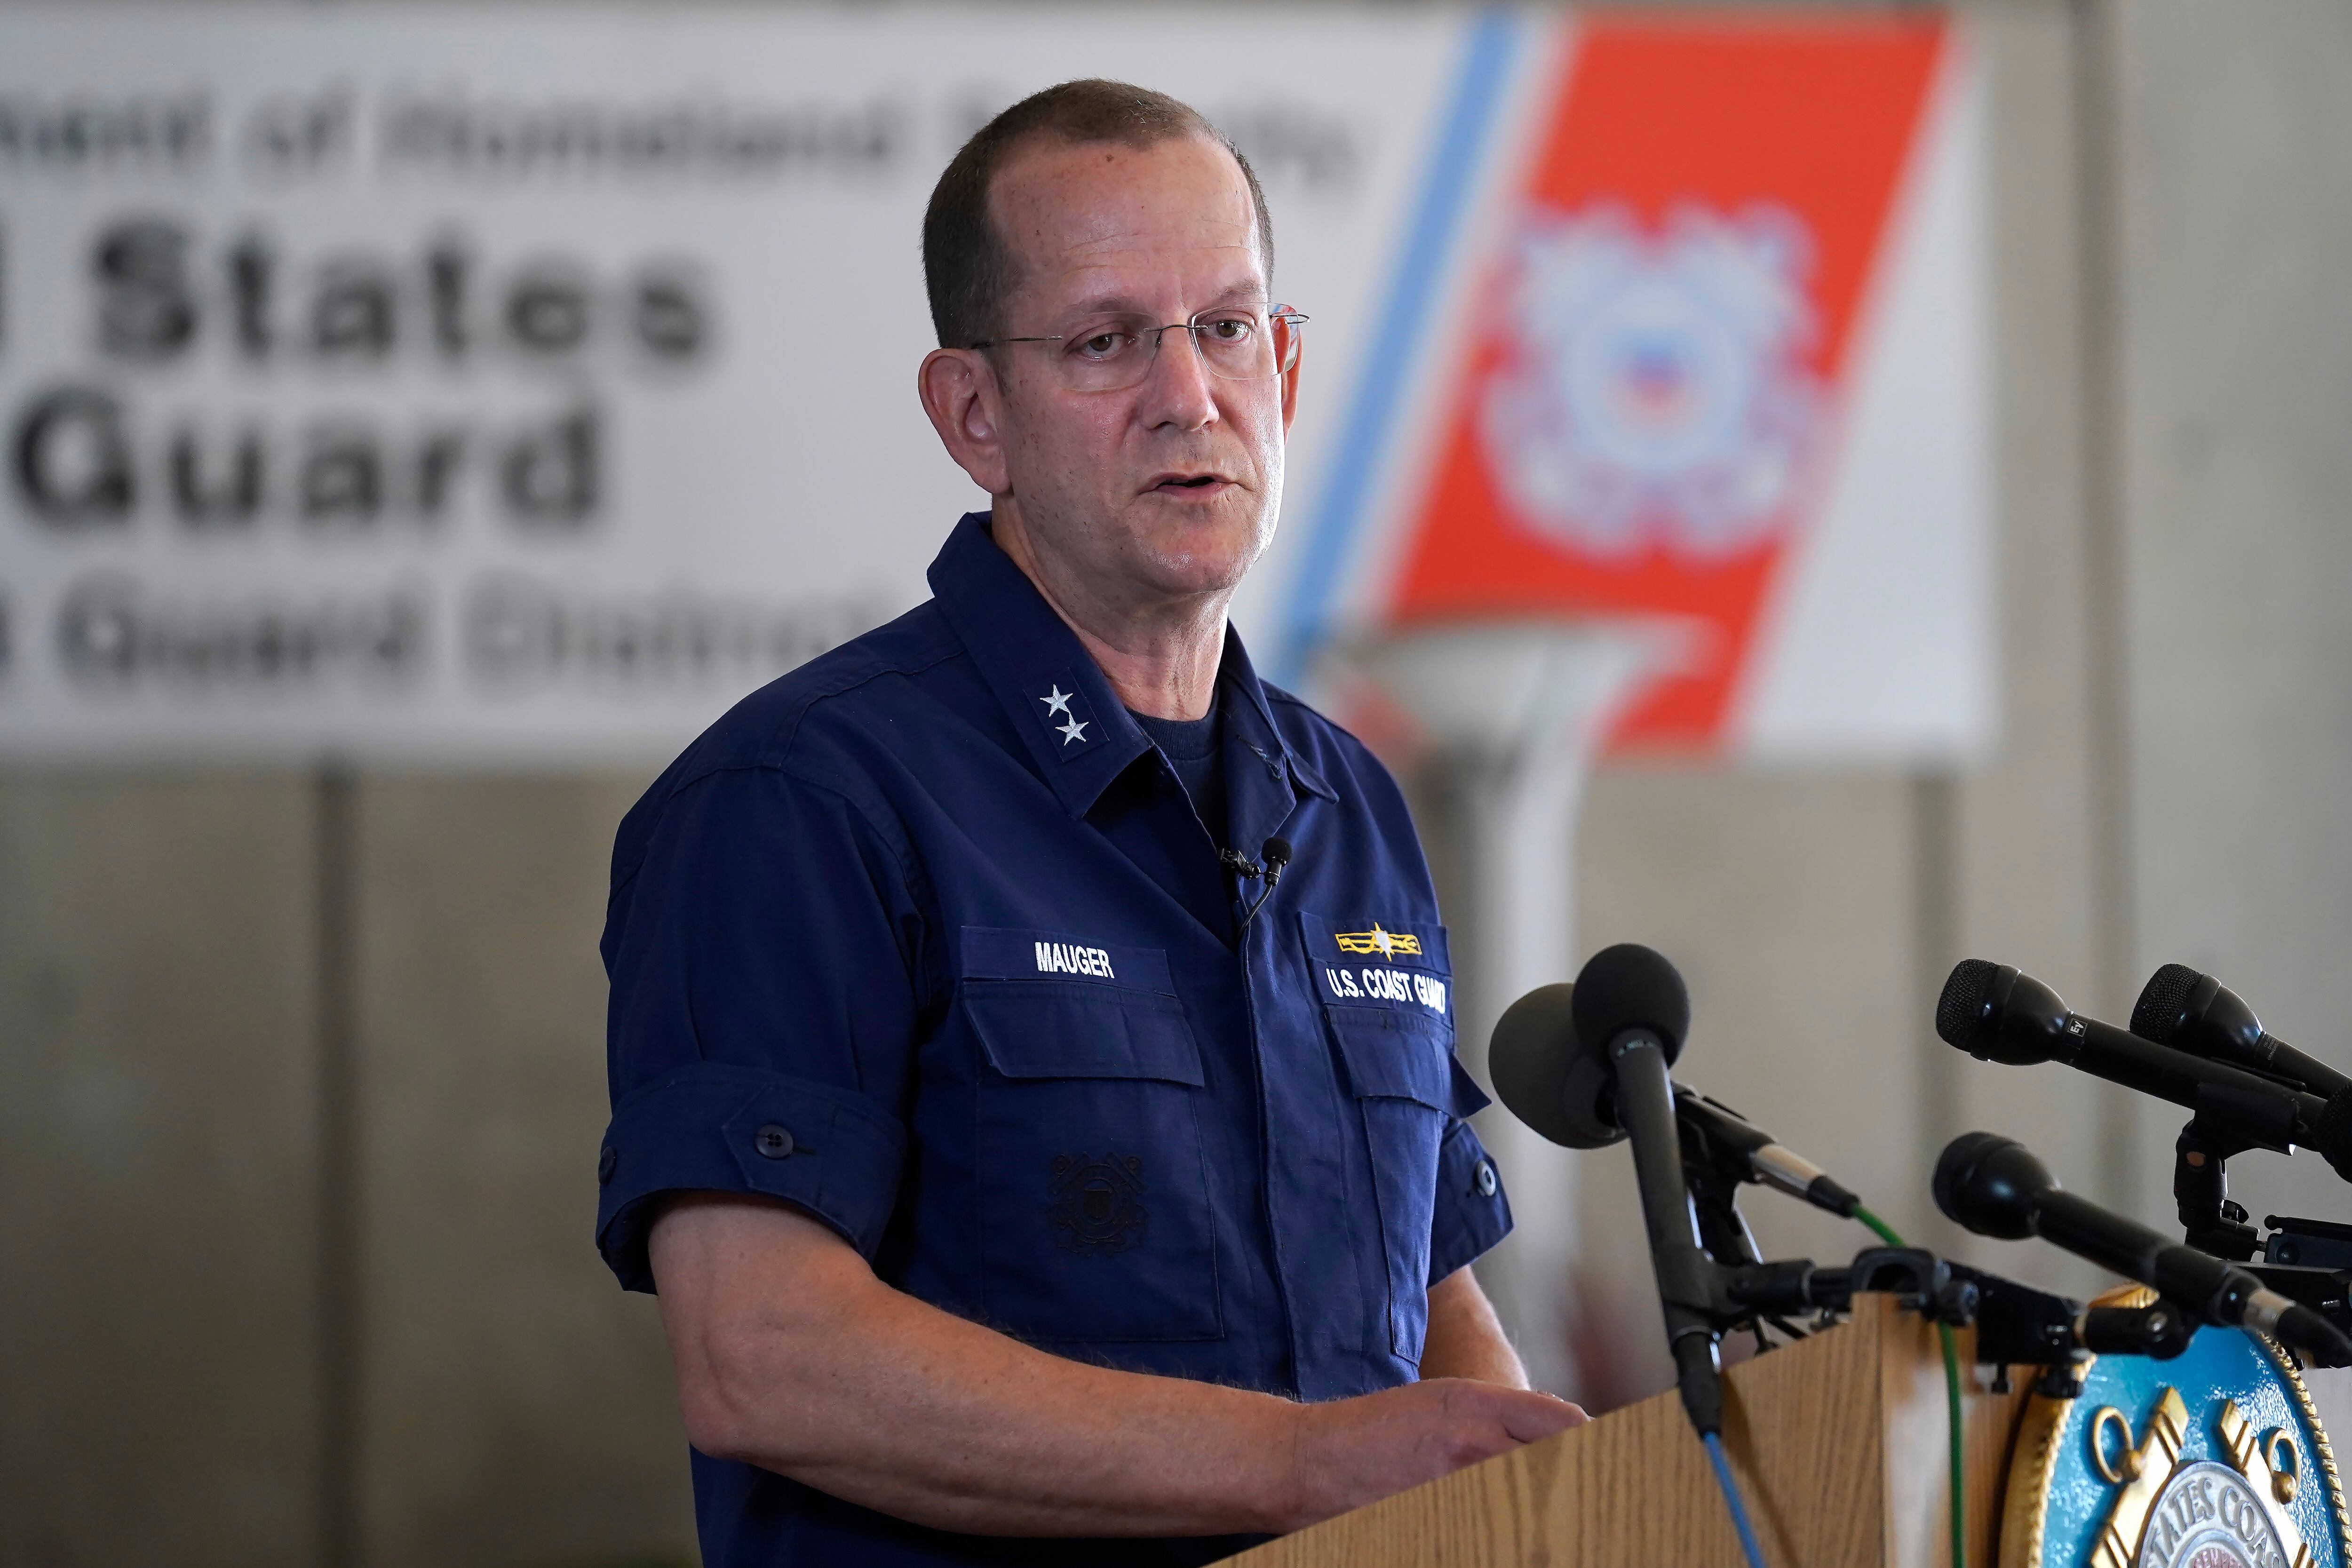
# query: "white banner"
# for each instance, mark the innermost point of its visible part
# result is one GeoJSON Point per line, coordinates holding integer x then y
{"type": "Point", "coordinates": [527, 385]}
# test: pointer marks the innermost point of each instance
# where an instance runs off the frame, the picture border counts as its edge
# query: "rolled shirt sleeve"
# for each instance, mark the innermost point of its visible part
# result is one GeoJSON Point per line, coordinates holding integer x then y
{"type": "Point", "coordinates": [1473, 1212]}
{"type": "Point", "coordinates": [765, 948]}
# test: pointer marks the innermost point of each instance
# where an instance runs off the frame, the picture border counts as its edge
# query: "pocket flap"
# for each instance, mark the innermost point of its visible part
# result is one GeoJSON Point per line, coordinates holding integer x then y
{"type": "Point", "coordinates": [1032, 1029]}
{"type": "Point", "coordinates": [1388, 1062]}
{"type": "Point", "coordinates": [1469, 1099]}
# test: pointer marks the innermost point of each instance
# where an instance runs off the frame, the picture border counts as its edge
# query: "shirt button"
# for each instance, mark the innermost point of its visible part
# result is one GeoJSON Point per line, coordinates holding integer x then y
{"type": "Point", "coordinates": [773, 1141]}
{"type": "Point", "coordinates": [1484, 1180]}
{"type": "Point", "coordinates": [605, 1163]}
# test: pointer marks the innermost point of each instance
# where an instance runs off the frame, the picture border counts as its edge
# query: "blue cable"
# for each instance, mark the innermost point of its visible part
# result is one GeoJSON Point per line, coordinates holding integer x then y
{"type": "Point", "coordinates": [1731, 1499]}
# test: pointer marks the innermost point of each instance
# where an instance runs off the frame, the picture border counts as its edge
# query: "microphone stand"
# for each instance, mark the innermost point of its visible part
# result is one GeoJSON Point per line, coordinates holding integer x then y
{"type": "Point", "coordinates": [2201, 1191]}
{"type": "Point", "coordinates": [1713, 1174]}
{"type": "Point", "coordinates": [1689, 1279]}
{"type": "Point", "coordinates": [2308, 1261]}
{"type": "Point", "coordinates": [2016, 1324]}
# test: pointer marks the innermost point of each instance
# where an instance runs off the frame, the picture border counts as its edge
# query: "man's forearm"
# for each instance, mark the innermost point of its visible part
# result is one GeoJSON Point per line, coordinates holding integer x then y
{"type": "Point", "coordinates": [1465, 1339]}
{"type": "Point", "coordinates": [840, 1381]}
{"type": "Point", "coordinates": [790, 1355]}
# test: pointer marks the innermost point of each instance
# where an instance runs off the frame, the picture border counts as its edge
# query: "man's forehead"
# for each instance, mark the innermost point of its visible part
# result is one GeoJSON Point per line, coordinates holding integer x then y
{"type": "Point", "coordinates": [1090, 220]}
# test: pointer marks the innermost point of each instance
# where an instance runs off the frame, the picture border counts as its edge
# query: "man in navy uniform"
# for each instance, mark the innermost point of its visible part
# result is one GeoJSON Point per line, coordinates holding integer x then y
{"type": "Point", "coordinates": [1036, 1162]}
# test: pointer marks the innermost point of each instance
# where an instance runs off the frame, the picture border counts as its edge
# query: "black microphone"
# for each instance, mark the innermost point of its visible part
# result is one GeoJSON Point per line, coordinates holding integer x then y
{"type": "Point", "coordinates": [1995, 1013]}
{"type": "Point", "coordinates": [2196, 1013]}
{"type": "Point", "coordinates": [1567, 1094]}
{"type": "Point", "coordinates": [1630, 1009]}
{"type": "Point", "coordinates": [1767, 1161]}
{"type": "Point", "coordinates": [1994, 1186]}
{"type": "Point", "coordinates": [1276, 855]}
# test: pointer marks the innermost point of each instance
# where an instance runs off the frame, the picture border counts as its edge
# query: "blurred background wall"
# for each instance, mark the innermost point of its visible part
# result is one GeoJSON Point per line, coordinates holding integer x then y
{"type": "Point", "coordinates": [300, 1072]}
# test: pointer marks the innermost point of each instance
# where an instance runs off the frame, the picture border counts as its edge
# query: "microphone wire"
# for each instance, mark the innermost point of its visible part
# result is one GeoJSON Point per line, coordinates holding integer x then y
{"type": "Point", "coordinates": [1951, 1402]}
{"type": "Point", "coordinates": [1754, 1553]}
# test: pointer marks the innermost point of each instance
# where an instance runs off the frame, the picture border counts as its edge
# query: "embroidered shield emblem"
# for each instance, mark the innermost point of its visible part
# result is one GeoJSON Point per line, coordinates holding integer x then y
{"type": "Point", "coordinates": [1097, 1205]}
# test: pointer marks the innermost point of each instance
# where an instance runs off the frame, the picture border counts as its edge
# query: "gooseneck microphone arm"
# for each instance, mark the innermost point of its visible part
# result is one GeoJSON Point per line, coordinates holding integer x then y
{"type": "Point", "coordinates": [1686, 1274]}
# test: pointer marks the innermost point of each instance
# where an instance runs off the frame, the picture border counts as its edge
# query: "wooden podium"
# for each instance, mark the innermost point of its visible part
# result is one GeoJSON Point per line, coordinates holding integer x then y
{"type": "Point", "coordinates": [1838, 1442]}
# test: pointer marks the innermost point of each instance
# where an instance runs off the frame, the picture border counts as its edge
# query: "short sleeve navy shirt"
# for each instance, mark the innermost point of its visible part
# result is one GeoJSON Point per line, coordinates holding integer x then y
{"type": "Point", "coordinates": [925, 939]}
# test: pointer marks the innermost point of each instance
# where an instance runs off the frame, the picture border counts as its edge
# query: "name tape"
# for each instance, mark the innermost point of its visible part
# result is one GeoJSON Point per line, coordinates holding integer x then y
{"type": "Point", "coordinates": [1068, 958]}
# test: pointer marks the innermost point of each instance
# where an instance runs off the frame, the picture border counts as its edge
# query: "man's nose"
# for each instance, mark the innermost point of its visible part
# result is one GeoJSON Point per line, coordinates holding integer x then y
{"type": "Point", "coordinates": [1180, 391]}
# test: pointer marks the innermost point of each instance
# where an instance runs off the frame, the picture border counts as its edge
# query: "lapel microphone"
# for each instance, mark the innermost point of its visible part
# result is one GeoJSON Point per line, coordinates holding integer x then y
{"type": "Point", "coordinates": [1274, 855]}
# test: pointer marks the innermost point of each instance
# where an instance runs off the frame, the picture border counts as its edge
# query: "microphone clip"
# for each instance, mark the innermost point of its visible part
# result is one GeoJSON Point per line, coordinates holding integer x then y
{"type": "Point", "coordinates": [2209, 1221]}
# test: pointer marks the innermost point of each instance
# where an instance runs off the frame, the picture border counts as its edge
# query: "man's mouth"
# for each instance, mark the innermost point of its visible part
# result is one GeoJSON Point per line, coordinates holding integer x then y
{"type": "Point", "coordinates": [1177, 484]}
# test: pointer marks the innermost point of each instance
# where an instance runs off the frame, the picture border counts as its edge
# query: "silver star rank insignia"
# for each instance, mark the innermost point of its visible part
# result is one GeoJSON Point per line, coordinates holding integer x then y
{"type": "Point", "coordinates": [1069, 717]}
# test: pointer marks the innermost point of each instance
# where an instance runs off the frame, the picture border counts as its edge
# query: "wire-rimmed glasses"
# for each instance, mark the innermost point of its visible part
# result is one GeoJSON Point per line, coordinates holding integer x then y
{"type": "Point", "coordinates": [1113, 350]}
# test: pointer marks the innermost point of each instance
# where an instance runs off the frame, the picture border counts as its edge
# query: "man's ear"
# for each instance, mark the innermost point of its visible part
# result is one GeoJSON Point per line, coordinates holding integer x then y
{"type": "Point", "coordinates": [1290, 390]}
{"type": "Point", "coordinates": [966, 405]}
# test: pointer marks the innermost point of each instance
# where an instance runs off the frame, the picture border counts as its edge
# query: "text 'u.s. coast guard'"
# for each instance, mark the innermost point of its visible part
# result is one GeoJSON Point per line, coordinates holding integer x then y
{"type": "Point", "coordinates": [1386, 986]}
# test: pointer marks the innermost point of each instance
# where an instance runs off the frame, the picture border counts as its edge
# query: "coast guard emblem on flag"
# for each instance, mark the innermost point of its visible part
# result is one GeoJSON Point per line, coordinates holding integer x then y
{"type": "Point", "coordinates": [1653, 391]}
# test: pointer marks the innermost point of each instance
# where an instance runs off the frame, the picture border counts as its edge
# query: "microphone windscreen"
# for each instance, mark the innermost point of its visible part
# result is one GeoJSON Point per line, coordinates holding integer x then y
{"type": "Point", "coordinates": [1962, 1007]}
{"type": "Point", "coordinates": [1545, 1077]}
{"type": "Point", "coordinates": [1630, 986]}
{"type": "Point", "coordinates": [1989, 1184]}
{"type": "Point", "coordinates": [2157, 1014]}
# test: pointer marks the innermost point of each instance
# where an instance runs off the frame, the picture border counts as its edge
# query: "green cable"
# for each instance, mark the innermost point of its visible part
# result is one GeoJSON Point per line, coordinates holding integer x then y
{"type": "Point", "coordinates": [1951, 1401]}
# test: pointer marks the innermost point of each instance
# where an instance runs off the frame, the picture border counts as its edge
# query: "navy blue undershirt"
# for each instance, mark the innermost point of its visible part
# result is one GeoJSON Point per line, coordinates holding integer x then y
{"type": "Point", "coordinates": [1194, 748]}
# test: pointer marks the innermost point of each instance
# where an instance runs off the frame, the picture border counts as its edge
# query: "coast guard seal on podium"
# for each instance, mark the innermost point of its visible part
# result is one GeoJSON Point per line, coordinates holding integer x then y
{"type": "Point", "coordinates": [2215, 1459]}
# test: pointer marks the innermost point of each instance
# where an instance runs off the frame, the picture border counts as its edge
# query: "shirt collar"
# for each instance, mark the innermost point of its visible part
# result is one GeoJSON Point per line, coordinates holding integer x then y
{"type": "Point", "coordinates": [1251, 719]}
{"type": "Point", "coordinates": [1076, 730]}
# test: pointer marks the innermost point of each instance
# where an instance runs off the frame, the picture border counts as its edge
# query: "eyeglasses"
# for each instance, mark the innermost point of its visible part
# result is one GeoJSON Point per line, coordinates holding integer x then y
{"type": "Point", "coordinates": [1113, 352]}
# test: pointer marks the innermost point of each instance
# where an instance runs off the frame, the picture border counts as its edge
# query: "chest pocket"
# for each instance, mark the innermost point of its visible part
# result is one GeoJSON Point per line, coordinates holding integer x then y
{"type": "Point", "coordinates": [1093, 1200]}
{"type": "Point", "coordinates": [1387, 999]}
